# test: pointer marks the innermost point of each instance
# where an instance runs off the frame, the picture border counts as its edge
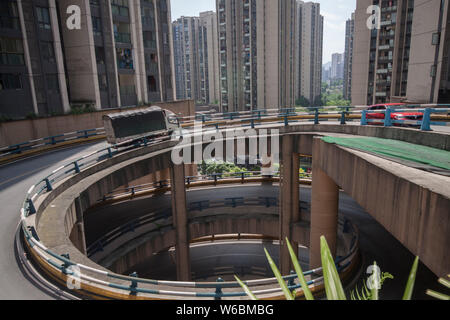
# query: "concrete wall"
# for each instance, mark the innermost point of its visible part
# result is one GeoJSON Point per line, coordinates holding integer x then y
{"type": "Point", "coordinates": [25, 130]}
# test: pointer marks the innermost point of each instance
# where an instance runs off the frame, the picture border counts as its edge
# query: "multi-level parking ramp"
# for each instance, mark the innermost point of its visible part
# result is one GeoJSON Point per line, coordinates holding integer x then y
{"type": "Point", "coordinates": [52, 214]}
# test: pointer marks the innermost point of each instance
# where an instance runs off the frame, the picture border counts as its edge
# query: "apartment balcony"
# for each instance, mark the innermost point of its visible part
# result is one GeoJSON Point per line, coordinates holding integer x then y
{"type": "Point", "coordinates": [385, 47]}
{"type": "Point", "coordinates": [389, 9]}
{"type": "Point", "coordinates": [385, 35]}
{"type": "Point", "coordinates": [122, 37]}
{"type": "Point", "coordinates": [380, 94]}
{"type": "Point", "coordinates": [384, 58]}
{"type": "Point", "coordinates": [383, 82]}
{"type": "Point", "coordinates": [386, 23]}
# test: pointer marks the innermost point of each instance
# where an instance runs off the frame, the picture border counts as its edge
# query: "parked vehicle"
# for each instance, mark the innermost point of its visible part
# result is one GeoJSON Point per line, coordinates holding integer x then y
{"type": "Point", "coordinates": [132, 126]}
{"type": "Point", "coordinates": [415, 116]}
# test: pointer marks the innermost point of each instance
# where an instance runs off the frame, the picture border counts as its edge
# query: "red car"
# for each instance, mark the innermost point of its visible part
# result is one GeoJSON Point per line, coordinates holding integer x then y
{"type": "Point", "coordinates": [415, 116]}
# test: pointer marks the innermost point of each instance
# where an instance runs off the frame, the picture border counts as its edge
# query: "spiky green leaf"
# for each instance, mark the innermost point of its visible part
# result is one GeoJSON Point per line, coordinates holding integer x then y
{"type": "Point", "coordinates": [333, 285]}
{"type": "Point", "coordinates": [280, 279]}
{"type": "Point", "coordinates": [411, 280]}
{"type": "Point", "coordinates": [246, 289]}
{"type": "Point", "coordinates": [438, 295]}
{"type": "Point", "coordinates": [299, 271]}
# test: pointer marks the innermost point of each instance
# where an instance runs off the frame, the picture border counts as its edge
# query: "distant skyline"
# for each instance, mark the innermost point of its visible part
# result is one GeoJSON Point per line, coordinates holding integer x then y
{"type": "Point", "coordinates": [335, 12]}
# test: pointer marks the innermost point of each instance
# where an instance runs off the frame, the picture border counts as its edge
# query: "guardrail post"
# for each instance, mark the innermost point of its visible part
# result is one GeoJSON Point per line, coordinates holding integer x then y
{"type": "Point", "coordinates": [110, 153]}
{"type": "Point", "coordinates": [134, 284]}
{"type": "Point", "coordinates": [65, 265]}
{"type": "Point", "coordinates": [31, 207]}
{"type": "Point", "coordinates": [219, 292]}
{"type": "Point", "coordinates": [77, 167]}
{"type": "Point", "coordinates": [387, 118]}
{"type": "Point", "coordinates": [252, 122]}
{"type": "Point", "coordinates": [53, 141]}
{"type": "Point", "coordinates": [316, 116]}
{"type": "Point", "coordinates": [133, 191]}
{"type": "Point", "coordinates": [426, 121]}
{"type": "Point", "coordinates": [291, 282]}
{"type": "Point", "coordinates": [286, 120]}
{"type": "Point", "coordinates": [48, 185]}
{"type": "Point", "coordinates": [343, 114]}
{"type": "Point", "coordinates": [364, 118]}
{"type": "Point", "coordinates": [243, 177]}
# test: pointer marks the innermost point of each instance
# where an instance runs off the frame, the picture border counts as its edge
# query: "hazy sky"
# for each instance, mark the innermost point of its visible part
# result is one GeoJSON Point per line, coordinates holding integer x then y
{"type": "Point", "coordinates": [335, 12]}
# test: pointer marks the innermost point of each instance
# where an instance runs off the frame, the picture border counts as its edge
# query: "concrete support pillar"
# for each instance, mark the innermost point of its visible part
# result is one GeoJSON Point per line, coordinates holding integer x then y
{"type": "Point", "coordinates": [165, 174]}
{"type": "Point", "coordinates": [324, 214]}
{"type": "Point", "coordinates": [179, 214]}
{"type": "Point", "coordinates": [289, 200]}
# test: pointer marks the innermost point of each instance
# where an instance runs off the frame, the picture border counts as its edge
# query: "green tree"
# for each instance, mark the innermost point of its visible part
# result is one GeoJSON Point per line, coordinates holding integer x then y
{"type": "Point", "coordinates": [303, 102]}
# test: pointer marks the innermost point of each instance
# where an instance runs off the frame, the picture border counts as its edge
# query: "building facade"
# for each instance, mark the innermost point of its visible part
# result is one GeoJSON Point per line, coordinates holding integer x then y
{"type": "Point", "coordinates": [337, 66]}
{"type": "Point", "coordinates": [256, 53]}
{"type": "Point", "coordinates": [186, 55]}
{"type": "Point", "coordinates": [406, 57]}
{"type": "Point", "coordinates": [348, 57]}
{"type": "Point", "coordinates": [196, 58]}
{"type": "Point", "coordinates": [308, 51]}
{"type": "Point", "coordinates": [120, 55]}
{"type": "Point", "coordinates": [31, 66]}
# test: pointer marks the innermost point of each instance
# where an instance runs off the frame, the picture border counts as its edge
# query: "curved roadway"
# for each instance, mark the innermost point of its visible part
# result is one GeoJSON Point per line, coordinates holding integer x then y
{"type": "Point", "coordinates": [16, 178]}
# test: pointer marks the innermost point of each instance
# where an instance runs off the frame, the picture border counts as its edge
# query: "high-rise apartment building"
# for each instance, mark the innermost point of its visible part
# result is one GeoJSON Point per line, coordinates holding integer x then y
{"type": "Point", "coordinates": [407, 58]}
{"type": "Point", "coordinates": [308, 50]}
{"type": "Point", "coordinates": [196, 58]}
{"type": "Point", "coordinates": [120, 55]}
{"type": "Point", "coordinates": [348, 57]}
{"type": "Point", "coordinates": [32, 77]}
{"type": "Point", "coordinates": [337, 66]}
{"type": "Point", "coordinates": [209, 58]}
{"type": "Point", "coordinates": [429, 55]}
{"type": "Point", "coordinates": [256, 53]}
{"type": "Point", "coordinates": [186, 55]}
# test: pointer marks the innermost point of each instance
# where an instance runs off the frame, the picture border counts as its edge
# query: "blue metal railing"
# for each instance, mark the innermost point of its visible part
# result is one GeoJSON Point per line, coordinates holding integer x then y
{"type": "Point", "coordinates": [49, 141]}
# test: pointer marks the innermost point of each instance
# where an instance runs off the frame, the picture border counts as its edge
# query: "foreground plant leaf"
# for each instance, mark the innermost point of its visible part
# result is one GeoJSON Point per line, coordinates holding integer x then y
{"type": "Point", "coordinates": [333, 285]}
{"type": "Point", "coordinates": [280, 279]}
{"type": "Point", "coordinates": [299, 271]}
{"type": "Point", "coordinates": [246, 289]}
{"type": "Point", "coordinates": [411, 280]}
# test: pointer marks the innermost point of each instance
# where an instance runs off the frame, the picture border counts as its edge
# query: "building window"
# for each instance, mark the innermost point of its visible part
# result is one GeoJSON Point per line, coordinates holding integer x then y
{"type": "Point", "coordinates": [43, 17]}
{"type": "Point", "coordinates": [52, 83]}
{"type": "Point", "coordinates": [48, 52]}
{"type": "Point", "coordinates": [9, 15]}
{"type": "Point", "coordinates": [124, 58]}
{"type": "Point", "coordinates": [10, 81]}
{"type": "Point", "coordinates": [120, 8]}
{"type": "Point", "coordinates": [97, 26]}
{"type": "Point", "coordinates": [100, 55]}
{"type": "Point", "coordinates": [11, 51]}
{"type": "Point", "coordinates": [122, 32]}
{"type": "Point", "coordinates": [149, 40]}
{"type": "Point", "coordinates": [102, 82]}
{"type": "Point", "coordinates": [152, 84]}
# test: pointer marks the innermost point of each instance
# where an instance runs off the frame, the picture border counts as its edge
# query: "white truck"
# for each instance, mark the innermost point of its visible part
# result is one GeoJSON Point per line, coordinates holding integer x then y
{"type": "Point", "coordinates": [131, 126]}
